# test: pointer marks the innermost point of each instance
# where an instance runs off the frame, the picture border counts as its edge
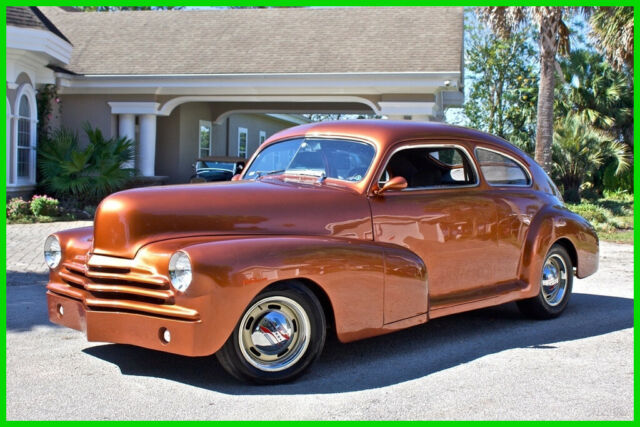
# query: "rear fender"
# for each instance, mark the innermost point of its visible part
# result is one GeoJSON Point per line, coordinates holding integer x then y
{"type": "Point", "coordinates": [550, 225]}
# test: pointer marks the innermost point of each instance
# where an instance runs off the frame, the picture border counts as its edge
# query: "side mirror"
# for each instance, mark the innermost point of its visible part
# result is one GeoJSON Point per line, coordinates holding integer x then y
{"type": "Point", "coordinates": [236, 177]}
{"type": "Point", "coordinates": [193, 166]}
{"type": "Point", "coordinates": [395, 183]}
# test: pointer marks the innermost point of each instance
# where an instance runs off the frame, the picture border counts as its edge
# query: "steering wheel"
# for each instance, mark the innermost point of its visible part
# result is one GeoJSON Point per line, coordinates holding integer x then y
{"type": "Point", "coordinates": [356, 174]}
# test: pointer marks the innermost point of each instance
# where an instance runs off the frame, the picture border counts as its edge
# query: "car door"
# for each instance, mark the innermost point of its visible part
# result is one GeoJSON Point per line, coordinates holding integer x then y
{"type": "Point", "coordinates": [442, 216]}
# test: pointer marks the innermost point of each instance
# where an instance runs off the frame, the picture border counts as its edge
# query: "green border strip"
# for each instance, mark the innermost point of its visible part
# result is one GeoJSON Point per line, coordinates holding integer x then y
{"type": "Point", "coordinates": [3, 292]}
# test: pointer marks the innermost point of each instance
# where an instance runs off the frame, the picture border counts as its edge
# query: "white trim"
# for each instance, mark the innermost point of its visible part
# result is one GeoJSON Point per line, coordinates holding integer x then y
{"type": "Point", "coordinates": [262, 137]}
{"type": "Point", "coordinates": [206, 123]}
{"type": "Point", "coordinates": [8, 159]}
{"type": "Point", "coordinates": [262, 84]}
{"type": "Point", "coordinates": [168, 107]}
{"type": "Point", "coordinates": [42, 41]}
{"type": "Point", "coordinates": [299, 120]}
{"type": "Point", "coordinates": [27, 90]}
{"type": "Point", "coordinates": [406, 108]}
{"type": "Point", "coordinates": [134, 107]}
{"type": "Point", "coordinates": [242, 130]}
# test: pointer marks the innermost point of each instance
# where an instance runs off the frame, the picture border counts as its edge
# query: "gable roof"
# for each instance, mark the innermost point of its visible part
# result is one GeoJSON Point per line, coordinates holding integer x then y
{"type": "Point", "coordinates": [275, 40]}
{"type": "Point", "coordinates": [31, 17]}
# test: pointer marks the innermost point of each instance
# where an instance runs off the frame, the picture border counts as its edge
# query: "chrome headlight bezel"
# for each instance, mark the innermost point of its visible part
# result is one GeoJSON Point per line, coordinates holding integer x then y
{"type": "Point", "coordinates": [52, 251]}
{"type": "Point", "coordinates": [180, 273]}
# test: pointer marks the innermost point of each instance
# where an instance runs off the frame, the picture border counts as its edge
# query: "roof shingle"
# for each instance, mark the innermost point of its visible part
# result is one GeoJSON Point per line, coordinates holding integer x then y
{"type": "Point", "coordinates": [276, 40]}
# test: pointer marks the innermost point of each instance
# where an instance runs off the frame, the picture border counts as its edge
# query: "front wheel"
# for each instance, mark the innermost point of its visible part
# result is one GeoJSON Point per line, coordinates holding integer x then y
{"type": "Point", "coordinates": [556, 283]}
{"type": "Point", "coordinates": [279, 335]}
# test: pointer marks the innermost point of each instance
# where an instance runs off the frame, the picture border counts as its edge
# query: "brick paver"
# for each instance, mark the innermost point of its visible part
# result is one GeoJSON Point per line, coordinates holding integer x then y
{"type": "Point", "coordinates": [25, 262]}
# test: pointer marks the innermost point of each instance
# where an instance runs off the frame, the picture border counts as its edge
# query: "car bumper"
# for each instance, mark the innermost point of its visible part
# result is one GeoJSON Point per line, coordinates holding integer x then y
{"type": "Point", "coordinates": [128, 328]}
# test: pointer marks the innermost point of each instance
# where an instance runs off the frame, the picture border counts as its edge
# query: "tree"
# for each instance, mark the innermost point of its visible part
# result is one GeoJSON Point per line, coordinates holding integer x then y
{"type": "Point", "coordinates": [553, 38]}
{"type": "Point", "coordinates": [579, 150]}
{"type": "Point", "coordinates": [612, 34]}
{"type": "Point", "coordinates": [598, 94]}
{"type": "Point", "coordinates": [119, 8]}
{"type": "Point", "coordinates": [502, 88]}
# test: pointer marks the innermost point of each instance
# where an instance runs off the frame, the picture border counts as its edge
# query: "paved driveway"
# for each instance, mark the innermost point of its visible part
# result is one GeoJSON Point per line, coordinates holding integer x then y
{"type": "Point", "coordinates": [486, 364]}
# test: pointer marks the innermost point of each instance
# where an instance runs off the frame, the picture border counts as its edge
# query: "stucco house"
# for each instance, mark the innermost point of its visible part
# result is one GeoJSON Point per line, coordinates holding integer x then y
{"type": "Point", "coordinates": [163, 78]}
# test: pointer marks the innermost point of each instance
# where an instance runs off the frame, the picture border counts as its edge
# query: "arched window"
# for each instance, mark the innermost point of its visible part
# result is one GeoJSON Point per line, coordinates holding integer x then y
{"type": "Point", "coordinates": [24, 139]}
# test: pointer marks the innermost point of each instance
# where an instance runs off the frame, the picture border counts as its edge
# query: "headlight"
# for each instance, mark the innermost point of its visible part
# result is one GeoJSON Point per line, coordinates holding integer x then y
{"type": "Point", "coordinates": [180, 271]}
{"type": "Point", "coordinates": [52, 251]}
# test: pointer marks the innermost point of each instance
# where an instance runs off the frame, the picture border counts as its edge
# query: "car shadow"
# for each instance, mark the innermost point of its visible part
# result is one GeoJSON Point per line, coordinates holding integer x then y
{"type": "Point", "coordinates": [390, 359]}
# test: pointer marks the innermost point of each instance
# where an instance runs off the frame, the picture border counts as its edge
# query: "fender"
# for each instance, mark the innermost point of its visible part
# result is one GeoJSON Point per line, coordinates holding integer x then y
{"type": "Point", "coordinates": [551, 224]}
{"type": "Point", "coordinates": [229, 272]}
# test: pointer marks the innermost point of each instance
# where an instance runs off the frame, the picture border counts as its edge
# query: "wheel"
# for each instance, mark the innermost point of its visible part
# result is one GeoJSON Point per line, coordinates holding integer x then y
{"type": "Point", "coordinates": [555, 286]}
{"type": "Point", "coordinates": [279, 335]}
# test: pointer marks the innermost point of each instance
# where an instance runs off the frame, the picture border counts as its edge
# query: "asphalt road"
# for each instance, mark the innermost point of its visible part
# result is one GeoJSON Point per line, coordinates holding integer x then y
{"type": "Point", "coordinates": [487, 364]}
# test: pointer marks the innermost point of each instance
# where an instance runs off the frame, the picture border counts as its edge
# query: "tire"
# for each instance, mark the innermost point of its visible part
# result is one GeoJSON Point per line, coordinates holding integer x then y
{"type": "Point", "coordinates": [280, 334]}
{"type": "Point", "coordinates": [556, 283]}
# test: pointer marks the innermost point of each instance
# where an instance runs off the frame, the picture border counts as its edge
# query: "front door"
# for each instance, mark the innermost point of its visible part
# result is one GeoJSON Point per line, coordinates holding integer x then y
{"type": "Point", "coordinates": [444, 218]}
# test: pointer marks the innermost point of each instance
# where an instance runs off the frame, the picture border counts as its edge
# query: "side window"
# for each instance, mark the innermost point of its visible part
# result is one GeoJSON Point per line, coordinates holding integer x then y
{"type": "Point", "coordinates": [433, 166]}
{"type": "Point", "coordinates": [499, 169]}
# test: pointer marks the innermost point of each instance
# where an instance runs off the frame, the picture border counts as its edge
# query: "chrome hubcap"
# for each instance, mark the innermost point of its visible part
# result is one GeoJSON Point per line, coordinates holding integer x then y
{"type": "Point", "coordinates": [554, 280]}
{"type": "Point", "coordinates": [274, 334]}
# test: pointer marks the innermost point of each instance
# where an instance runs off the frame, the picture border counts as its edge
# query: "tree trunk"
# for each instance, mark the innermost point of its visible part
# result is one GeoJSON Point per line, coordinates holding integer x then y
{"type": "Point", "coordinates": [548, 48]}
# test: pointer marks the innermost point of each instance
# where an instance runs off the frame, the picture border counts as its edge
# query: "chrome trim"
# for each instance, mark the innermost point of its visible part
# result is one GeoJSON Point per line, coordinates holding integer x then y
{"type": "Point", "coordinates": [502, 153]}
{"type": "Point", "coordinates": [470, 159]}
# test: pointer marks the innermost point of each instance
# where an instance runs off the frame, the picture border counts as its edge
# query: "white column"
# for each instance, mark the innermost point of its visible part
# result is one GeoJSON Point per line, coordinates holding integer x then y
{"type": "Point", "coordinates": [147, 156]}
{"type": "Point", "coordinates": [127, 128]}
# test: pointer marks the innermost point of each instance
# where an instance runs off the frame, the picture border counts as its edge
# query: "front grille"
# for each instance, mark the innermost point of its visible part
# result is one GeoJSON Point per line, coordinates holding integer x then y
{"type": "Point", "coordinates": [116, 288]}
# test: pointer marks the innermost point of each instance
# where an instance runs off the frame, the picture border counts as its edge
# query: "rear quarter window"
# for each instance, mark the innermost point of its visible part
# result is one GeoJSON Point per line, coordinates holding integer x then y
{"type": "Point", "coordinates": [499, 169]}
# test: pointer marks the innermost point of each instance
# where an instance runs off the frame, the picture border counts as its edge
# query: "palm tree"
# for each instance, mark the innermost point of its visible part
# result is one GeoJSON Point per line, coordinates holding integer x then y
{"type": "Point", "coordinates": [612, 33]}
{"type": "Point", "coordinates": [553, 38]}
{"type": "Point", "coordinates": [597, 93]}
{"type": "Point", "coordinates": [579, 150]}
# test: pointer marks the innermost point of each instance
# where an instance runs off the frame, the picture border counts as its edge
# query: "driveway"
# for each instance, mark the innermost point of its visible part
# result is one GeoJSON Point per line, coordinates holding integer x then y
{"type": "Point", "coordinates": [486, 364]}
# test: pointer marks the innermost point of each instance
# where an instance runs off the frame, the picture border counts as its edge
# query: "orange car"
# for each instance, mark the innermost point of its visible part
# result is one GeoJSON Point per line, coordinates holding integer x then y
{"type": "Point", "coordinates": [363, 227]}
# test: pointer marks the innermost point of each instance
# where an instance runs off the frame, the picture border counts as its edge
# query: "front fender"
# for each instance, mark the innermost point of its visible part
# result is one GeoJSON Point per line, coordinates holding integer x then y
{"type": "Point", "coordinates": [229, 273]}
{"type": "Point", "coordinates": [550, 225]}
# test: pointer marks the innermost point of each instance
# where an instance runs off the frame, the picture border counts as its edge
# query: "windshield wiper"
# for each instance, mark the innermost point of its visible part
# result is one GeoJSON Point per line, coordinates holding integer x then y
{"type": "Point", "coordinates": [260, 174]}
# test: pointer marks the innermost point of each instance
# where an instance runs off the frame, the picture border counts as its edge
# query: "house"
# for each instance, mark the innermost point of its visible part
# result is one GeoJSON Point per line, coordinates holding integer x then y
{"type": "Point", "coordinates": [171, 79]}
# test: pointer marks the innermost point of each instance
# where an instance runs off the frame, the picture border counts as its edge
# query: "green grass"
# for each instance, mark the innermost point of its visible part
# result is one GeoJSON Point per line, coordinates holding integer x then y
{"type": "Point", "coordinates": [611, 216]}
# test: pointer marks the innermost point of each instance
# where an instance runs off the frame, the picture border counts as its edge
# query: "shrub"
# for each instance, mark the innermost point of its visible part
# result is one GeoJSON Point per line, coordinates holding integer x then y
{"type": "Point", "coordinates": [17, 208]}
{"type": "Point", "coordinates": [84, 176]}
{"type": "Point", "coordinates": [592, 213]}
{"type": "Point", "coordinates": [44, 206]}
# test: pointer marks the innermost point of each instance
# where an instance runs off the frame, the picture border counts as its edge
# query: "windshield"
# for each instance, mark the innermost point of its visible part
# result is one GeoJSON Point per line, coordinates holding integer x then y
{"type": "Point", "coordinates": [331, 158]}
{"type": "Point", "coordinates": [215, 165]}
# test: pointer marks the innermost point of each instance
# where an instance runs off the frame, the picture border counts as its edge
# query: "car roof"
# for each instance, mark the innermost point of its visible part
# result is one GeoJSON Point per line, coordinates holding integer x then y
{"type": "Point", "coordinates": [384, 133]}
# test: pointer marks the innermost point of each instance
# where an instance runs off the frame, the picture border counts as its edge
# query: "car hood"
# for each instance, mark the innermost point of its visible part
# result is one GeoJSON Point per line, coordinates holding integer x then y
{"type": "Point", "coordinates": [128, 220]}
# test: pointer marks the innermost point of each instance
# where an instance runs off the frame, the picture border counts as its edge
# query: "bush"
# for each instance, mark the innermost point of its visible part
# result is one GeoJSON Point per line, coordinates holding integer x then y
{"type": "Point", "coordinates": [44, 206]}
{"type": "Point", "coordinates": [84, 176]}
{"type": "Point", "coordinates": [592, 213]}
{"type": "Point", "coordinates": [17, 208]}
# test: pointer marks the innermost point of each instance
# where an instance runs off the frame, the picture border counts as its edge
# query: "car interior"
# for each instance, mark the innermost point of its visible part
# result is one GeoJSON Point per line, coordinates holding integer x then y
{"type": "Point", "coordinates": [430, 167]}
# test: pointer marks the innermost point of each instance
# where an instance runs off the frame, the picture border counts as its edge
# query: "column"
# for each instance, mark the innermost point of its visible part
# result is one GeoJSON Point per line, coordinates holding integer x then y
{"type": "Point", "coordinates": [127, 129]}
{"type": "Point", "coordinates": [147, 156]}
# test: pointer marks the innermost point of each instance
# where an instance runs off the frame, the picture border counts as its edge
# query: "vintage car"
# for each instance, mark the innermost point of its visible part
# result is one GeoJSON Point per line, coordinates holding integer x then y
{"type": "Point", "coordinates": [359, 227]}
{"type": "Point", "coordinates": [210, 169]}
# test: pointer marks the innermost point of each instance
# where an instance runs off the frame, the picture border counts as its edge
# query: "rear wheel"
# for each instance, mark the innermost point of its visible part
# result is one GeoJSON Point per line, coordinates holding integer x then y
{"type": "Point", "coordinates": [555, 286]}
{"type": "Point", "coordinates": [279, 335]}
